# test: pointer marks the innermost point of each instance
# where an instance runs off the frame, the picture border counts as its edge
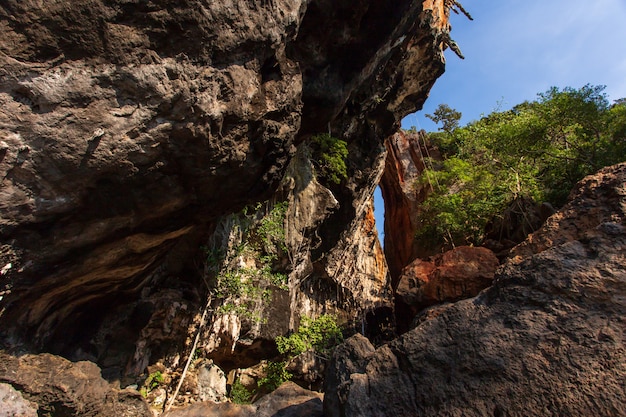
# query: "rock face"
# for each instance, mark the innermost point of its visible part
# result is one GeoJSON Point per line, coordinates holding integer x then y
{"type": "Point", "coordinates": [60, 387]}
{"type": "Point", "coordinates": [353, 270]}
{"type": "Point", "coordinates": [451, 276]}
{"type": "Point", "coordinates": [403, 194]}
{"type": "Point", "coordinates": [129, 128]}
{"type": "Point", "coordinates": [546, 339]}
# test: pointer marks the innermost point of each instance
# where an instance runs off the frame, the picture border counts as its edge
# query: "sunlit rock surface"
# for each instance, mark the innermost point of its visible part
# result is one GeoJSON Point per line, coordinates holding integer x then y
{"type": "Point", "coordinates": [546, 339]}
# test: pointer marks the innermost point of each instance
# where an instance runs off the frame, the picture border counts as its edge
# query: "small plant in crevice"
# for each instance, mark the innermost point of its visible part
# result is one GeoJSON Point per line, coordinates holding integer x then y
{"type": "Point", "coordinates": [329, 156]}
{"type": "Point", "coordinates": [271, 228]}
{"type": "Point", "coordinates": [239, 394]}
{"type": "Point", "coordinates": [275, 375]}
{"type": "Point", "coordinates": [152, 381]}
{"type": "Point", "coordinates": [243, 274]}
{"type": "Point", "coordinates": [321, 335]}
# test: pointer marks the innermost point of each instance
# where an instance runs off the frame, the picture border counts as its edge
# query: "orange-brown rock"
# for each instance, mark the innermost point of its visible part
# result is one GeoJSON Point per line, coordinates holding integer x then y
{"type": "Point", "coordinates": [406, 153]}
{"type": "Point", "coordinates": [58, 387]}
{"type": "Point", "coordinates": [459, 273]}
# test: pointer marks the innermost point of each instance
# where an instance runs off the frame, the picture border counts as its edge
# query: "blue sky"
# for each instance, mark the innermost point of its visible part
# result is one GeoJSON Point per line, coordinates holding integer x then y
{"type": "Point", "coordinates": [515, 49]}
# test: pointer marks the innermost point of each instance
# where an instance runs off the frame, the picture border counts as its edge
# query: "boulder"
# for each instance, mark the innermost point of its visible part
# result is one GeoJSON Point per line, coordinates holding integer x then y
{"type": "Point", "coordinates": [60, 387]}
{"type": "Point", "coordinates": [456, 274]}
{"type": "Point", "coordinates": [211, 383]}
{"type": "Point", "coordinates": [546, 339]}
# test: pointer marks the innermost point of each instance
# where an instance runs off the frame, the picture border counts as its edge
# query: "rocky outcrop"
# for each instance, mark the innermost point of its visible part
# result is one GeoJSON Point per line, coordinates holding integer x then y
{"type": "Point", "coordinates": [348, 278]}
{"type": "Point", "coordinates": [289, 400]}
{"type": "Point", "coordinates": [407, 153]}
{"type": "Point", "coordinates": [128, 129]}
{"type": "Point", "coordinates": [60, 387]}
{"type": "Point", "coordinates": [451, 276]}
{"type": "Point", "coordinates": [546, 339]}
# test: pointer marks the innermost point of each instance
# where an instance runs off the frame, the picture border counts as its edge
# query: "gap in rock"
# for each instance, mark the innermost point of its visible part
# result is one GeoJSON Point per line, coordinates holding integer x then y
{"type": "Point", "coordinates": [379, 214]}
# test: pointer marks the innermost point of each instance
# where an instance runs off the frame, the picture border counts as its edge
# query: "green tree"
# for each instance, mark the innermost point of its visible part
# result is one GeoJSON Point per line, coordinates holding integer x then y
{"type": "Point", "coordinates": [447, 116]}
{"type": "Point", "coordinates": [538, 149]}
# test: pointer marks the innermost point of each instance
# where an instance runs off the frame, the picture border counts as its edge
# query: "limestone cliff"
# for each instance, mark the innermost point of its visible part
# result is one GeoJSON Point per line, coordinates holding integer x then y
{"type": "Point", "coordinates": [131, 131]}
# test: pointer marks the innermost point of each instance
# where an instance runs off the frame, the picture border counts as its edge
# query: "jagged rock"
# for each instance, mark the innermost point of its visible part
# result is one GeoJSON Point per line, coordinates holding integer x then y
{"type": "Point", "coordinates": [407, 153]}
{"type": "Point", "coordinates": [289, 400]}
{"type": "Point", "coordinates": [345, 271]}
{"type": "Point", "coordinates": [12, 404]}
{"type": "Point", "coordinates": [129, 128]}
{"type": "Point", "coordinates": [61, 387]}
{"type": "Point", "coordinates": [348, 361]}
{"type": "Point", "coordinates": [308, 369]}
{"type": "Point", "coordinates": [546, 339]}
{"type": "Point", "coordinates": [451, 276]}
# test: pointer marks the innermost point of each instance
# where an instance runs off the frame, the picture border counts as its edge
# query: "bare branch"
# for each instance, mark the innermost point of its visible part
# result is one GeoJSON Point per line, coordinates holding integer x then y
{"type": "Point", "coordinates": [455, 6]}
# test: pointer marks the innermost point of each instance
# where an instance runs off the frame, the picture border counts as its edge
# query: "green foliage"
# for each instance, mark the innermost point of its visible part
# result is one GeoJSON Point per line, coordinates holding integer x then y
{"type": "Point", "coordinates": [330, 155]}
{"type": "Point", "coordinates": [538, 149]}
{"type": "Point", "coordinates": [152, 381]}
{"type": "Point", "coordinates": [275, 278]}
{"type": "Point", "coordinates": [242, 289]}
{"type": "Point", "coordinates": [239, 394]}
{"type": "Point", "coordinates": [321, 335]}
{"type": "Point", "coordinates": [275, 375]}
{"type": "Point", "coordinates": [447, 116]}
{"type": "Point", "coordinates": [271, 229]}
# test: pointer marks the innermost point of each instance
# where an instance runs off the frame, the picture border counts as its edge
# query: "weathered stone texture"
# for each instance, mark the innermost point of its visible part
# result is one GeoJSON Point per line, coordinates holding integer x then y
{"type": "Point", "coordinates": [407, 153]}
{"type": "Point", "coordinates": [61, 387]}
{"type": "Point", "coordinates": [127, 128]}
{"type": "Point", "coordinates": [451, 276]}
{"type": "Point", "coordinates": [289, 400]}
{"type": "Point", "coordinates": [546, 339]}
{"type": "Point", "coordinates": [12, 404]}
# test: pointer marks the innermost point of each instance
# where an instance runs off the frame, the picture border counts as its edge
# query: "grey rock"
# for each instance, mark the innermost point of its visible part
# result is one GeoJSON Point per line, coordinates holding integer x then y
{"type": "Point", "coordinates": [211, 383]}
